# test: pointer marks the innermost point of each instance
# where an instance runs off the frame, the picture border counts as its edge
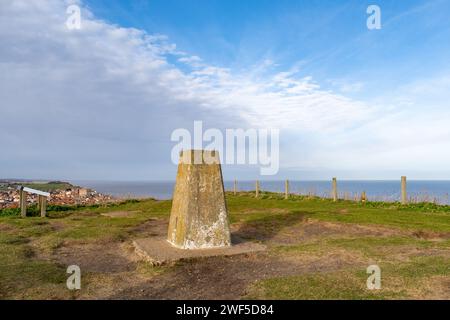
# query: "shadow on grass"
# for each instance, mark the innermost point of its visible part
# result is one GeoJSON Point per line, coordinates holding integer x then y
{"type": "Point", "coordinates": [266, 227]}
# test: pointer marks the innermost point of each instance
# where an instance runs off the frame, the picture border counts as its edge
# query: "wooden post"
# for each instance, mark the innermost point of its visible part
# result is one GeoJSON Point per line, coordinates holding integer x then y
{"type": "Point", "coordinates": [235, 187]}
{"type": "Point", "coordinates": [334, 192]}
{"type": "Point", "coordinates": [286, 189]}
{"type": "Point", "coordinates": [363, 197]}
{"type": "Point", "coordinates": [23, 203]}
{"type": "Point", "coordinates": [43, 204]}
{"type": "Point", "coordinates": [404, 199]}
{"type": "Point", "coordinates": [257, 189]}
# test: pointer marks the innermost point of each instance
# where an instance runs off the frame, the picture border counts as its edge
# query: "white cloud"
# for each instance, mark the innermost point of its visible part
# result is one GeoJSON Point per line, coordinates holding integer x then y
{"type": "Point", "coordinates": [139, 60]}
{"type": "Point", "coordinates": [193, 61]}
{"type": "Point", "coordinates": [346, 86]}
{"type": "Point", "coordinates": [105, 99]}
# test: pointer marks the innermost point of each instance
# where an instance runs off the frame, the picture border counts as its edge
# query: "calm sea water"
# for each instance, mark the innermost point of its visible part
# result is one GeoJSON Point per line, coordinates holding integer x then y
{"type": "Point", "coordinates": [429, 191]}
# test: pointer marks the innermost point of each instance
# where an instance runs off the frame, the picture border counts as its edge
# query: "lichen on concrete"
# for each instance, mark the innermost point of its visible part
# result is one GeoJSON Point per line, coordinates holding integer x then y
{"type": "Point", "coordinates": [199, 218]}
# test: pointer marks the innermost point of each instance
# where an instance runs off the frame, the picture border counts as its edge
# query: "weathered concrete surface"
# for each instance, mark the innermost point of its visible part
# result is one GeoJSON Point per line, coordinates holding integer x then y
{"type": "Point", "coordinates": [199, 218]}
{"type": "Point", "coordinates": [158, 251]}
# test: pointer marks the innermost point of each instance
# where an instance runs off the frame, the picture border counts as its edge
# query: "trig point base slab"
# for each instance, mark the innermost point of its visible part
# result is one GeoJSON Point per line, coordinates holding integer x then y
{"type": "Point", "coordinates": [158, 251]}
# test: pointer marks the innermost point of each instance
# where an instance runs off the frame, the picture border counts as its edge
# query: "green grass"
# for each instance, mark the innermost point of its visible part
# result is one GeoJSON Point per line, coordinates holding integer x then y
{"type": "Point", "coordinates": [51, 186]}
{"type": "Point", "coordinates": [20, 271]}
{"type": "Point", "coordinates": [24, 275]}
{"type": "Point", "coordinates": [412, 217]}
{"type": "Point", "coordinates": [87, 222]}
{"type": "Point", "coordinates": [330, 286]}
{"type": "Point", "coordinates": [61, 210]}
{"type": "Point", "coordinates": [380, 249]}
{"type": "Point", "coordinates": [396, 281]}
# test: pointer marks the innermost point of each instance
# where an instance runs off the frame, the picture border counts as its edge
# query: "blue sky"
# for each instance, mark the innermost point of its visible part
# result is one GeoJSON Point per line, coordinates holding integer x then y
{"type": "Point", "coordinates": [329, 38]}
{"type": "Point", "coordinates": [349, 102]}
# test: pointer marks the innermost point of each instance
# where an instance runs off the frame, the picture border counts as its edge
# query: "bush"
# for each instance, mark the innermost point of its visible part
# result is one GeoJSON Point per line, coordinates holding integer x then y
{"type": "Point", "coordinates": [32, 211]}
{"type": "Point", "coordinates": [9, 212]}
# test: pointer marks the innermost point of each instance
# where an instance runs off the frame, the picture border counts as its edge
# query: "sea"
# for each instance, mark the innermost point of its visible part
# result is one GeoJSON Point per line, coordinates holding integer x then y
{"type": "Point", "coordinates": [376, 190]}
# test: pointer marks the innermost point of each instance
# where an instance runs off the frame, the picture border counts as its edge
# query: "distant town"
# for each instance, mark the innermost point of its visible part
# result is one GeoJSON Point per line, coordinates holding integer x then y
{"type": "Point", "coordinates": [61, 193]}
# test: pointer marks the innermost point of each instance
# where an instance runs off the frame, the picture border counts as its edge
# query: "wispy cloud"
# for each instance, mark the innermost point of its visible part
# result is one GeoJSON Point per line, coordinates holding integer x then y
{"type": "Point", "coordinates": [107, 97]}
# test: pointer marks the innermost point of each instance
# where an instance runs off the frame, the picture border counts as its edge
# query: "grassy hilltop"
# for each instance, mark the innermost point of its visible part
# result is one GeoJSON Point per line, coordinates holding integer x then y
{"type": "Point", "coordinates": [317, 249]}
{"type": "Point", "coordinates": [40, 185]}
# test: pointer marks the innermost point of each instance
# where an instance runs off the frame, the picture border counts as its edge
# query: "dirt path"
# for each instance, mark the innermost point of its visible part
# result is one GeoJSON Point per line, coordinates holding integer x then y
{"type": "Point", "coordinates": [226, 277]}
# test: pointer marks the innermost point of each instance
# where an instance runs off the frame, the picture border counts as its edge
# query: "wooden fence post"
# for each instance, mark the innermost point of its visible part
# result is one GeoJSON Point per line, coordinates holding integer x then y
{"type": "Point", "coordinates": [363, 197]}
{"type": "Point", "coordinates": [23, 203]}
{"type": "Point", "coordinates": [286, 189]}
{"type": "Point", "coordinates": [334, 192]}
{"type": "Point", "coordinates": [257, 189]}
{"type": "Point", "coordinates": [235, 187]}
{"type": "Point", "coordinates": [404, 199]}
{"type": "Point", "coordinates": [43, 205]}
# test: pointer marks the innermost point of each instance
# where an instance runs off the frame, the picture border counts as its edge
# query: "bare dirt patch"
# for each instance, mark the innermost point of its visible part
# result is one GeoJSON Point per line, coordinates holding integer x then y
{"type": "Point", "coordinates": [308, 229]}
{"type": "Point", "coordinates": [57, 225]}
{"type": "Point", "coordinates": [428, 252]}
{"type": "Point", "coordinates": [5, 227]}
{"type": "Point", "coordinates": [267, 227]}
{"type": "Point", "coordinates": [111, 267]}
{"type": "Point", "coordinates": [428, 235]}
{"type": "Point", "coordinates": [227, 277]}
{"type": "Point", "coordinates": [104, 285]}
{"type": "Point", "coordinates": [266, 210]}
{"type": "Point", "coordinates": [151, 228]}
{"type": "Point", "coordinates": [104, 257]}
{"type": "Point", "coordinates": [437, 288]}
{"type": "Point", "coordinates": [206, 278]}
{"type": "Point", "coordinates": [119, 214]}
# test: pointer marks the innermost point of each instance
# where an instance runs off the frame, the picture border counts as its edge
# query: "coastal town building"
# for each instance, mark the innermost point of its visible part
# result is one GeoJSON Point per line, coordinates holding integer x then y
{"type": "Point", "coordinates": [10, 197]}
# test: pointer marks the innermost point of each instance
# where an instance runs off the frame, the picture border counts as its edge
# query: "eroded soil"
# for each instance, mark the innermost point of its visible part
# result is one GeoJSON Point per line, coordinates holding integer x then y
{"type": "Point", "coordinates": [115, 271]}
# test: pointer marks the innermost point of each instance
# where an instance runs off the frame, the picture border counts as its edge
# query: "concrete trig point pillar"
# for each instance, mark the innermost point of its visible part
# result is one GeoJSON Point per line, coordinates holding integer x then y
{"type": "Point", "coordinates": [334, 191]}
{"type": "Point", "coordinates": [404, 199]}
{"type": "Point", "coordinates": [235, 187]}
{"type": "Point", "coordinates": [199, 218]}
